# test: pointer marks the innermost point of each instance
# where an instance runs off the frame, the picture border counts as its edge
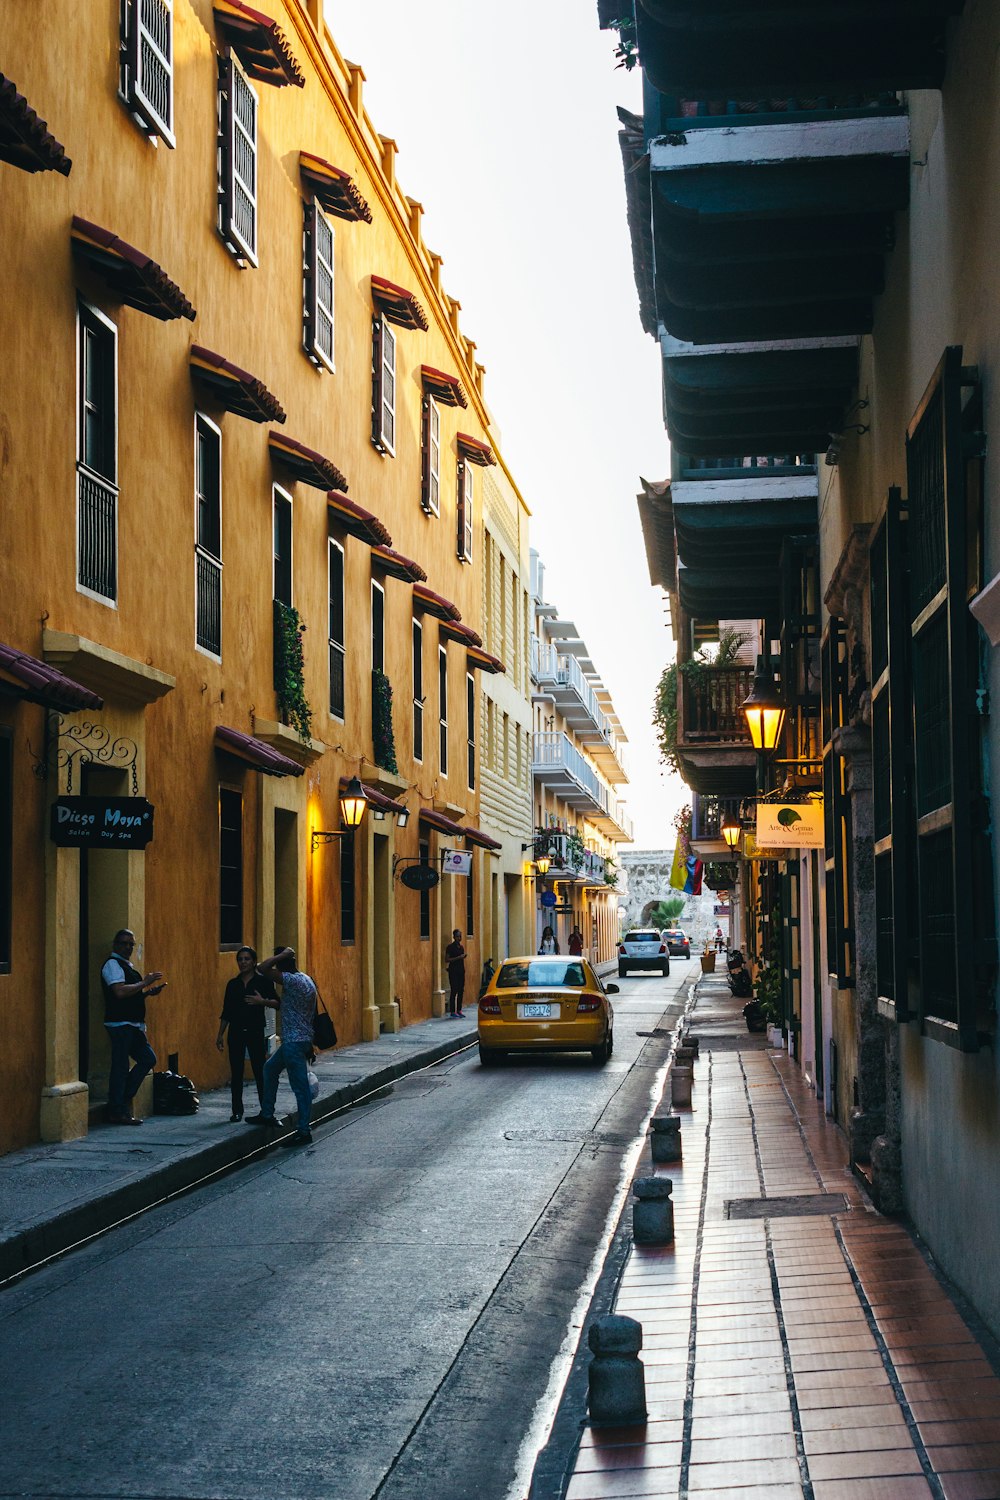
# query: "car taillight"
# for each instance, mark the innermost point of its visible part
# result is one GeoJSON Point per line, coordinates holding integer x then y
{"type": "Point", "coordinates": [587, 1003]}
{"type": "Point", "coordinates": [489, 1005]}
{"type": "Point", "coordinates": [621, 950]}
{"type": "Point", "coordinates": [663, 948]}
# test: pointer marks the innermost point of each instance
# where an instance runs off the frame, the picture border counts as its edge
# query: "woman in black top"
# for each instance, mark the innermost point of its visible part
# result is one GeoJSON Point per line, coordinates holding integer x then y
{"type": "Point", "coordinates": [246, 1026]}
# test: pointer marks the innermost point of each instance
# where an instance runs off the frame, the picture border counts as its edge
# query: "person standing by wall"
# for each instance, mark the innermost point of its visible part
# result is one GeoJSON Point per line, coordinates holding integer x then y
{"type": "Point", "coordinates": [125, 991]}
{"type": "Point", "coordinates": [245, 1024]}
{"type": "Point", "coordinates": [576, 942]}
{"type": "Point", "coordinates": [297, 1005]}
{"type": "Point", "coordinates": [548, 943]}
{"type": "Point", "coordinates": [455, 959]}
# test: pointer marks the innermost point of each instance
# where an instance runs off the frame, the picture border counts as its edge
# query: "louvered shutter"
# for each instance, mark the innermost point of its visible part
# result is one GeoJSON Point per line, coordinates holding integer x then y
{"type": "Point", "coordinates": [318, 287]}
{"type": "Point", "coordinates": [237, 161]}
{"type": "Point", "coordinates": [467, 537]}
{"type": "Point", "coordinates": [148, 64]}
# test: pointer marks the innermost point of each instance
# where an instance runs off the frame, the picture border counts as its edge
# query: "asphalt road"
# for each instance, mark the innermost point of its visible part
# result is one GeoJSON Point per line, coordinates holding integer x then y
{"type": "Point", "coordinates": [375, 1316]}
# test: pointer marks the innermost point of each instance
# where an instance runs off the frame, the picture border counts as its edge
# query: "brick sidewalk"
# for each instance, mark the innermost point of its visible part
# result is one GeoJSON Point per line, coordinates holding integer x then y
{"type": "Point", "coordinates": [798, 1355]}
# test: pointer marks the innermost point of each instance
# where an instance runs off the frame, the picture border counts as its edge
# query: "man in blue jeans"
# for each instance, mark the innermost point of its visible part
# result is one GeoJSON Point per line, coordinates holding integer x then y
{"type": "Point", "coordinates": [298, 1010]}
{"type": "Point", "coordinates": [125, 991]}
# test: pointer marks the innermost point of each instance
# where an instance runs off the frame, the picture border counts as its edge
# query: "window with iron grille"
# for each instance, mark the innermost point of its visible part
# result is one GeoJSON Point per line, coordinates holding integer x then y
{"type": "Point", "coordinates": [465, 504]}
{"type": "Point", "coordinates": [424, 850]}
{"type": "Point", "coordinates": [97, 455]}
{"type": "Point", "coordinates": [336, 638]}
{"type": "Point", "coordinates": [470, 719]}
{"type": "Point", "coordinates": [317, 287]}
{"type": "Point", "coordinates": [955, 953]}
{"type": "Point", "coordinates": [430, 490]}
{"type": "Point", "coordinates": [6, 845]}
{"type": "Point", "coordinates": [237, 150]}
{"type": "Point", "coordinates": [839, 861]}
{"type": "Point", "coordinates": [443, 710]}
{"type": "Point", "coordinates": [146, 65]}
{"type": "Point", "coordinates": [348, 885]}
{"type": "Point", "coordinates": [208, 536]}
{"type": "Point", "coordinates": [230, 867]}
{"type": "Point", "coordinates": [418, 690]}
{"type": "Point", "coordinates": [383, 387]}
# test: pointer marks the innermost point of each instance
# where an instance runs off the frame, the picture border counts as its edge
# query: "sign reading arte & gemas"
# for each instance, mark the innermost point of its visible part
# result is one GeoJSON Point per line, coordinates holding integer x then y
{"type": "Point", "coordinates": [101, 822]}
{"type": "Point", "coordinates": [791, 825]}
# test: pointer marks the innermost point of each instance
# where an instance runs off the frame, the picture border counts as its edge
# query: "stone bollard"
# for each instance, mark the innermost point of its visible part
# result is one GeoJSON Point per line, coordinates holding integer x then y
{"type": "Point", "coordinates": [685, 1055]}
{"type": "Point", "coordinates": [666, 1138]}
{"type": "Point", "coordinates": [617, 1377]}
{"type": "Point", "coordinates": [692, 1042]}
{"type": "Point", "coordinates": [681, 1080]}
{"type": "Point", "coordinates": [652, 1212]}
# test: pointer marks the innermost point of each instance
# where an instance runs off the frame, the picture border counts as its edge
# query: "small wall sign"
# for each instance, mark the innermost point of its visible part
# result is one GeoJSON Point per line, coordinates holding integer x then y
{"type": "Point", "coordinates": [101, 822]}
{"type": "Point", "coordinates": [420, 877]}
{"type": "Point", "coordinates": [456, 862]}
{"type": "Point", "coordinates": [791, 825]}
{"type": "Point", "coordinates": [548, 898]}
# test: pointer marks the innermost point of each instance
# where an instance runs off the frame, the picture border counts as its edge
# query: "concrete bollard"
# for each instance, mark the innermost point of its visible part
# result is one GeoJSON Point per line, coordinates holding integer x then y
{"type": "Point", "coordinates": [693, 1042]}
{"type": "Point", "coordinates": [617, 1377]}
{"type": "Point", "coordinates": [652, 1212]}
{"type": "Point", "coordinates": [681, 1080]}
{"type": "Point", "coordinates": [685, 1055]}
{"type": "Point", "coordinates": [666, 1138]}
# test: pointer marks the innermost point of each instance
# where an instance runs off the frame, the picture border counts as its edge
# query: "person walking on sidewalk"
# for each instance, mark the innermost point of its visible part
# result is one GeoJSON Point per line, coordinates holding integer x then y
{"type": "Point", "coordinates": [548, 943]}
{"type": "Point", "coordinates": [299, 994]}
{"type": "Point", "coordinates": [576, 942]}
{"type": "Point", "coordinates": [455, 956]}
{"type": "Point", "coordinates": [245, 1024]}
{"type": "Point", "coordinates": [125, 991]}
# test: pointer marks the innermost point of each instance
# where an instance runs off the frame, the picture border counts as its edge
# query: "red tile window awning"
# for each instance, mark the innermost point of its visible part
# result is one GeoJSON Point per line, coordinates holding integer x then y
{"type": "Point", "coordinates": [446, 389]}
{"type": "Point", "coordinates": [38, 682]}
{"type": "Point", "coordinates": [25, 140]}
{"type": "Point", "coordinates": [434, 604]}
{"type": "Point", "coordinates": [256, 753]}
{"type": "Point", "coordinates": [477, 657]}
{"type": "Point", "coordinates": [464, 634]}
{"type": "Point", "coordinates": [376, 799]}
{"type": "Point", "coordinates": [312, 468]}
{"type": "Point", "coordinates": [398, 305]}
{"type": "Point", "coordinates": [135, 276]}
{"type": "Point", "coordinates": [235, 389]}
{"type": "Point", "coordinates": [397, 566]}
{"type": "Point", "coordinates": [475, 450]}
{"type": "Point", "coordinates": [357, 521]}
{"type": "Point", "coordinates": [259, 43]}
{"type": "Point", "coordinates": [438, 821]}
{"type": "Point", "coordinates": [483, 840]}
{"type": "Point", "coordinates": [335, 190]}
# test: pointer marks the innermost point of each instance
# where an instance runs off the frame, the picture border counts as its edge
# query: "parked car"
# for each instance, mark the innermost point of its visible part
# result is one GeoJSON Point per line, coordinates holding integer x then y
{"type": "Point", "coordinates": [643, 949]}
{"type": "Point", "coordinates": [677, 942]}
{"type": "Point", "coordinates": [546, 1004]}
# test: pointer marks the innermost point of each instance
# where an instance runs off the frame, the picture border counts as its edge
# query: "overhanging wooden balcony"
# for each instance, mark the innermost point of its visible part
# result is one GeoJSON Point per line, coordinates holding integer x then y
{"type": "Point", "coordinates": [713, 742]}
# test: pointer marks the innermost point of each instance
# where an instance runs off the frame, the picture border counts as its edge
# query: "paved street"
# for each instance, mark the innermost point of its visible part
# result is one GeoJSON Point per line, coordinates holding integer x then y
{"type": "Point", "coordinates": [376, 1315]}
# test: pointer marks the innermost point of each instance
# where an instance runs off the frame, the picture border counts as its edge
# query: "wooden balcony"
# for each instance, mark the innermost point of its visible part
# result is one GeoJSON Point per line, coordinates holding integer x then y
{"type": "Point", "coordinates": [713, 742]}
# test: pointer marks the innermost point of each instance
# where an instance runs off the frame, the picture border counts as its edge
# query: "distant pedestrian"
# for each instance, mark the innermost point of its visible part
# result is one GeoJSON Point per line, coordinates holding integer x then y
{"type": "Point", "coordinates": [719, 940]}
{"type": "Point", "coordinates": [297, 1005]}
{"type": "Point", "coordinates": [576, 942]}
{"type": "Point", "coordinates": [548, 943]}
{"type": "Point", "coordinates": [125, 992]}
{"type": "Point", "coordinates": [485, 977]}
{"type": "Point", "coordinates": [245, 1024]}
{"type": "Point", "coordinates": [455, 958]}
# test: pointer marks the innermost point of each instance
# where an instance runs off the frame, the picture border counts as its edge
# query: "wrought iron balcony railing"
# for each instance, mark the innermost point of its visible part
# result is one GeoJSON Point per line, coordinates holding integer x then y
{"type": "Point", "coordinates": [208, 601]}
{"type": "Point", "coordinates": [97, 545]}
{"type": "Point", "coordinates": [711, 706]}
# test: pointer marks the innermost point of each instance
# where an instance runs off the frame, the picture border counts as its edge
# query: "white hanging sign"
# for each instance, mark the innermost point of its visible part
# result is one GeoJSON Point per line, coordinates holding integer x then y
{"type": "Point", "coordinates": [791, 825]}
{"type": "Point", "coordinates": [457, 862]}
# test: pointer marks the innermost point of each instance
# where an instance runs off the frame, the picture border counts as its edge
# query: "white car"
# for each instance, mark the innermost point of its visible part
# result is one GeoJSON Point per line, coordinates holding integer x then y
{"type": "Point", "coordinates": [643, 949]}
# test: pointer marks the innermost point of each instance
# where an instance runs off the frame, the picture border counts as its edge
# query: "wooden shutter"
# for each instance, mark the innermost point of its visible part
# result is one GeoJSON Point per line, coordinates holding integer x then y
{"type": "Point", "coordinates": [147, 80]}
{"type": "Point", "coordinates": [464, 516]}
{"type": "Point", "coordinates": [377, 382]}
{"type": "Point", "coordinates": [237, 161]}
{"type": "Point", "coordinates": [839, 852]}
{"type": "Point", "coordinates": [318, 287]}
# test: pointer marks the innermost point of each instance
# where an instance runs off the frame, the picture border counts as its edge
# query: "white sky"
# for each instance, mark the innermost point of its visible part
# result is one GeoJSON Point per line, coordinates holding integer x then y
{"type": "Point", "coordinates": [505, 121]}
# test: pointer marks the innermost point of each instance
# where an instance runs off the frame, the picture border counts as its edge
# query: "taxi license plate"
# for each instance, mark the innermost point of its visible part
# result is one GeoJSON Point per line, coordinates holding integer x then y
{"type": "Point", "coordinates": [534, 1009]}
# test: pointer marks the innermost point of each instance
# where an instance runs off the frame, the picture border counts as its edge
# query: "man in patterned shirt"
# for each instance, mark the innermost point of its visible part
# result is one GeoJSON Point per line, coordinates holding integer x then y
{"type": "Point", "coordinates": [298, 1009]}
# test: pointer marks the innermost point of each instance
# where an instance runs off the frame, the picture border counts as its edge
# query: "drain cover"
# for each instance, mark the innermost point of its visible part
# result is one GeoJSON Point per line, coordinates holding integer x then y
{"type": "Point", "coordinates": [656, 1031]}
{"type": "Point", "coordinates": [570, 1137]}
{"type": "Point", "coordinates": [787, 1208]}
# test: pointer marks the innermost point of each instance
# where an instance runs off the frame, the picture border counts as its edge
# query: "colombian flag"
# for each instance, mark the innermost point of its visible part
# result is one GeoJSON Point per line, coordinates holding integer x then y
{"type": "Point", "coordinates": [685, 873]}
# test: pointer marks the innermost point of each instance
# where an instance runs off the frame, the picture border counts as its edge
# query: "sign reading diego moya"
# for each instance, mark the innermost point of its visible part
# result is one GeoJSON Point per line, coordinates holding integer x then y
{"type": "Point", "coordinates": [420, 877]}
{"type": "Point", "coordinates": [102, 822]}
{"type": "Point", "coordinates": [456, 862]}
{"type": "Point", "coordinates": [791, 825]}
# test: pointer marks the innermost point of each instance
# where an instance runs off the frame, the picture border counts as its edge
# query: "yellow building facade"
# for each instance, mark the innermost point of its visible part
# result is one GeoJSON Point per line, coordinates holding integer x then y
{"type": "Point", "coordinates": [243, 448]}
{"type": "Point", "coordinates": [578, 767]}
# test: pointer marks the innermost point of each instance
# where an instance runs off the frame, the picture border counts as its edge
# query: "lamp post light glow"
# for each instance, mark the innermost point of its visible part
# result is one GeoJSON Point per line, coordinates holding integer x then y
{"type": "Point", "coordinates": [764, 709]}
{"type": "Point", "coordinates": [542, 864]}
{"type": "Point", "coordinates": [353, 803]}
{"type": "Point", "coordinates": [731, 833]}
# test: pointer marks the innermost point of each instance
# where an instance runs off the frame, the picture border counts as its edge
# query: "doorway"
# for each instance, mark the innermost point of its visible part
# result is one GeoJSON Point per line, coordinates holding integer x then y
{"type": "Point", "coordinates": [104, 909]}
{"type": "Point", "coordinates": [381, 941]}
{"type": "Point", "coordinates": [286, 879]}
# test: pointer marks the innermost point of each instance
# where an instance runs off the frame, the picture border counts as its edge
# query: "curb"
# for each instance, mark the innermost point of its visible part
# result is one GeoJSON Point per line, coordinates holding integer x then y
{"type": "Point", "coordinates": [28, 1249]}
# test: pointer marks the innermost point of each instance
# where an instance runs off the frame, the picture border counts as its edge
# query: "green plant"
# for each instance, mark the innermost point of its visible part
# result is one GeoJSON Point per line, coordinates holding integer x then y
{"type": "Point", "coordinates": [768, 991]}
{"type": "Point", "coordinates": [575, 850]}
{"type": "Point", "coordinates": [627, 50]}
{"type": "Point", "coordinates": [383, 738]}
{"type": "Point", "coordinates": [611, 873]}
{"type": "Point", "coordinates": [665, 913]}
{"type": "Point", "coordinates": [696, 669]}
{"type": "Point", "coordinates": [289, 670]}
{"type": "Point", "coordinates": [720, 875]}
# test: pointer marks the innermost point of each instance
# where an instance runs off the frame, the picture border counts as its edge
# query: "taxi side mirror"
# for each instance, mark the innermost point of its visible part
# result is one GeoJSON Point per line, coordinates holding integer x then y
{"type": "Point", "coordinates": [611, 989]}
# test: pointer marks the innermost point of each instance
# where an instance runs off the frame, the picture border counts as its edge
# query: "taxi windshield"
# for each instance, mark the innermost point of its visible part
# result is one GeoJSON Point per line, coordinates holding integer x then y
{"type": "Point", "coordinates": [541, 974]}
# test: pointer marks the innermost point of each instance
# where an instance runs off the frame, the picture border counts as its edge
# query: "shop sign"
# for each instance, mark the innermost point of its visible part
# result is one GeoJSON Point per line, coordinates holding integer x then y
{"type": "Point", "coordinates": [420, 877]}
{"type": "Point", "coordinates": [791, 825]}
{"type": "Point", "coordinates": [456, 862]}
{"type": "Point", "coordinates": [753, 850]}
{"type": "Point", "coordinates": [101, 822]}
{"type": "Point", "coordinates": [548, 898]}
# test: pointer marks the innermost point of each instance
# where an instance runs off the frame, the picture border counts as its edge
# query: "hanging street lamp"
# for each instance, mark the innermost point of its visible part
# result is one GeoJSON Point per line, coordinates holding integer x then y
{"type": "Point", "coordinates": [353, 803]}
{"type": "Point", "coordinates": [764, 709]}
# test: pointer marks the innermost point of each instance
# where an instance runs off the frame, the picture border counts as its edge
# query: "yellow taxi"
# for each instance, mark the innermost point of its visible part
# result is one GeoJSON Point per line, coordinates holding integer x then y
{"type": "Point", "coordinates": [545, 1003]}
